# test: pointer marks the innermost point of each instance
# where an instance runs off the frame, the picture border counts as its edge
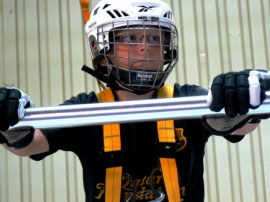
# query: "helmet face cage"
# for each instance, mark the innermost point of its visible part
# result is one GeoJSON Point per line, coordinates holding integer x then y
{"type": "Point", "coordinates": [132, 37]}
{"type": "Point", "coordinates": [148, 43]}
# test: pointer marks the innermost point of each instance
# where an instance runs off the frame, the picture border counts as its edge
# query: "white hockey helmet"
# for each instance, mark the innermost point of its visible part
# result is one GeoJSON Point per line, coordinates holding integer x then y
{"type": "Point", "coordinates": [110, 16]}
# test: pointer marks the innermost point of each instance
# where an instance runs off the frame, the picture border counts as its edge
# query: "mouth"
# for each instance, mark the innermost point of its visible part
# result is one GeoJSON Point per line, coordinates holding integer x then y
{"type": "Point", "coordinates": [142, 64]}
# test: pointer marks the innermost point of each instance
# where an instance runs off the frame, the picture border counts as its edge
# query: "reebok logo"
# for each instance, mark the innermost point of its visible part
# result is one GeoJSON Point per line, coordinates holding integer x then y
{"type": "Point", "coordinates": [145, 8]}
{"type": "Point", "coordinates": [144, 77]}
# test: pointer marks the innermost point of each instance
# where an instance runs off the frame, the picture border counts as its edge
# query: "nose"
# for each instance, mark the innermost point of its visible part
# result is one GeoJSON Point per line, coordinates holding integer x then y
{"type": "Point", "coordinates": [143, 47]}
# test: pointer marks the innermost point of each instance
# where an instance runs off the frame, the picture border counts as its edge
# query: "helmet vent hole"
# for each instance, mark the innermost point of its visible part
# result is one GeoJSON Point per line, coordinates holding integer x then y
{"type": "Point", "coordinates": [117, 13]}
{"type": "Point", "coordinates": [168, 15]}
{"type": "Point", "coordinates": [107, 5]}
{"type": "Point", "coordinates": [124, 13]}
{"type": "Point", "coordinates": [96, 11]}
{"type": "Point", "coordinates": [110, 13]}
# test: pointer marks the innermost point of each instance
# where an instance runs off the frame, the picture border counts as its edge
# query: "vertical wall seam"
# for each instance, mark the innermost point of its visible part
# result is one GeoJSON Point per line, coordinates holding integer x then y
{"type": "Point", "coordinates": [76, 177]}
{"type": "Point", "coordinates": [262, 164]}
{"type": "Point", "coordinates": [62, 48]}
{"type": "Point", "coordinates": [206, 176]}
{"type": "Point", "coordinates": [6, 174]}
{"type": "Point", "coordinates": [205, 41]}
{"type": "Point", "coordinates": [264, 34]}
{"type": "Point", "coordinates": [269, 43]}
{"type": "Point", "coordinates": [182, 36]}
{"type": "Point", "coordinates": [67, 176]}
{"type": "Point", "coordinates": [3, 62]}
{"type": "Point", "coordinates": [216, 168]}
{"type": "Point", "coordinates": [228, 36]}
{"type": "Point", "coordinates": [39, 53]}
{"type": "Point", "coordinates": [239, 176]}
{"type": "Point", "coordinates": [53, 179]}
{"type": "Point", "coordinates": [44, 181]}
{"type": "Point", "coordinates": [243, 44]}
{"type": "Point", "coordinates": [4, 45]}
{"type": "Point", "coordinates": [250, 35]}
{"type": "Point", "coordinates": [70, 51]}
{"type": "Point", "coordinates": [48, 52]}
{"type": "Point", "coordinates": [197, 41]}
{"type": "Point", "coordinates": [25, 47]}
{"type": "Point", "coordinates": [232, 187]}
{"type": "Point", "coordinates": [219, 36]}
{"type": "Point", "coordinates": [17, 44]}
{"type": "Point", "coordinates": [255, 185]}
{"type": "Point", "coordinates": [30, 181]}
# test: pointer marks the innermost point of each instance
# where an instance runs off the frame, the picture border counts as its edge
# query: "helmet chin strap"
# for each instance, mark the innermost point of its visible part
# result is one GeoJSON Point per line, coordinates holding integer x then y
{"type": "Point", "coordinates": [100, 76]}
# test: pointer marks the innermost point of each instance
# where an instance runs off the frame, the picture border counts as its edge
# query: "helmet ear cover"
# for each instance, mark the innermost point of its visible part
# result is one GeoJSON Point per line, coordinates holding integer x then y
{"type": "Point", "coordinates": [97, 56]}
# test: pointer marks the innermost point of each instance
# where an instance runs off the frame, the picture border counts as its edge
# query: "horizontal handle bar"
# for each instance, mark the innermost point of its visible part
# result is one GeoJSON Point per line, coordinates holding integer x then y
{"type": "Point", "coordinates": [123, 112]}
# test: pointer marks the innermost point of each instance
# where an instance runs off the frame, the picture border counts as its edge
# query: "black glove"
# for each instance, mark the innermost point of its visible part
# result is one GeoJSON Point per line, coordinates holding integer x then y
{"type": "Point", "coordinates": [237, 92]}
{"type": "Point", "coordinates": [13, 103]}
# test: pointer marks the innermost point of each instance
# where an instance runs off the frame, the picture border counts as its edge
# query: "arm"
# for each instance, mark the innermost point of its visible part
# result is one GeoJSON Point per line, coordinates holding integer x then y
{"type": "Point", "coordinates": [38, 145]}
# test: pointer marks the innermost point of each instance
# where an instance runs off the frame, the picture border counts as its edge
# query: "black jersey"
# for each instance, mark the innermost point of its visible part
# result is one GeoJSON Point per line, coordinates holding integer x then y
{"type": "Point", "coordinates": [139, 154]}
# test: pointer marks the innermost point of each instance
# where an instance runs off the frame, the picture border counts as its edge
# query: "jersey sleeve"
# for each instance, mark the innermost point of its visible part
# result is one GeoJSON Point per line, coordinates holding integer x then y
{"type": "Point", "coordinates": [67, 139]}
{"type": "Point", "coordinates": [188, 90]}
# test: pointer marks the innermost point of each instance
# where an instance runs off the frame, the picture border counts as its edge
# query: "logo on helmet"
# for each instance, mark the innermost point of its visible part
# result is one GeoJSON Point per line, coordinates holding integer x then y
{"type": "Point", "coordinates": [145, 8]}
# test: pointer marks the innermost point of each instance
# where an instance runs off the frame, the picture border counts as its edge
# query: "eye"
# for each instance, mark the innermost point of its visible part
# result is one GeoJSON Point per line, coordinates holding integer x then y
{"type": "Point", "coordinates": [126, 39]}
{"type": "Point", "coordinates": [154, 39]}
{"type": "Point", "coordinates": [131, 38]}
{"type": "Point", "coordinates": [119, 38]}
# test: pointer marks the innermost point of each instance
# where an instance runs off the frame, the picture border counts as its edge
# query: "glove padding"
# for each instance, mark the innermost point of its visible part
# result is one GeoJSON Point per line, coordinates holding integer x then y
{"type": "Point", "coordinates": [18, 137]}
{"type": "Point", "coordinates": [237, 92]}
{"type": "Point", "coordinates": [13, 103]}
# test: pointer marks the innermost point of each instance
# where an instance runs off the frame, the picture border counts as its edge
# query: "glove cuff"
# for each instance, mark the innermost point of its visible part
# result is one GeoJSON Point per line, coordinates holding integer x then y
{"type": "Point", "coordinates": [19, 137]}
{"type": "Point", "coordinates": [225, 125]}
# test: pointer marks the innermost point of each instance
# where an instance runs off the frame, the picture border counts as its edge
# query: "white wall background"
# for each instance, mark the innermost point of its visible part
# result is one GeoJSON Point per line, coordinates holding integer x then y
{"type": "Point", "coordinates": [43, 46]}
